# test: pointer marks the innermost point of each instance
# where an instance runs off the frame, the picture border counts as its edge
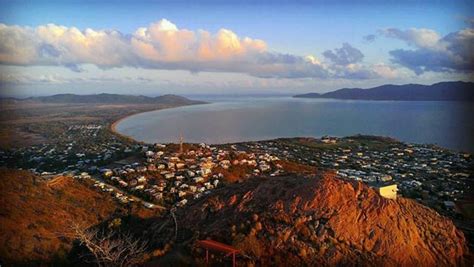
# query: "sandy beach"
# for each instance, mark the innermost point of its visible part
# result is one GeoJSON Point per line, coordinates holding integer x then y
{"type": "Point", "coordinates": [113, 127]}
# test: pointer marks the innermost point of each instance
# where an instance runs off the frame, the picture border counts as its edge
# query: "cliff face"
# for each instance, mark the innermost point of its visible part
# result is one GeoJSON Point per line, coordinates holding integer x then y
{"type": "Point", "coordinates": [323, 220]}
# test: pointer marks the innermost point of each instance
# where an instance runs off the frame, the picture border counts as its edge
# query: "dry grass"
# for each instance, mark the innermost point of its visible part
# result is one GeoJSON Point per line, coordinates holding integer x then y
{"type": "Point", "coordinates": [35, 217]}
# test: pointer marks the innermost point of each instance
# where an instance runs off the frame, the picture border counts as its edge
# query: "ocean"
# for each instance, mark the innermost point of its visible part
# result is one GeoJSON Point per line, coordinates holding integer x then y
{"type": "Point", "coordinates": [236, 119]}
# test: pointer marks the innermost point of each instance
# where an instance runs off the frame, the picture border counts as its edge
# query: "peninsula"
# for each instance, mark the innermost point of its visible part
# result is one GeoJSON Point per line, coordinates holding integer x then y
{"type": "Point", "coordinates": [443, 91]}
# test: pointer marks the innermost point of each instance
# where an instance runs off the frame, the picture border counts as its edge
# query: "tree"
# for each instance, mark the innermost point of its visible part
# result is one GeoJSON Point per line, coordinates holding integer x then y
{"type": "Point", "coordinates": [110, 248]}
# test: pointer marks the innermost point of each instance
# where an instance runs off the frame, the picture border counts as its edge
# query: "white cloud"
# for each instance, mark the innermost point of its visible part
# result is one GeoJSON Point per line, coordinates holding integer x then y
{"type": "Point", "coordinates": [163, 45]}
{"type": "Point", "coordinates": [160, 45]}
{"type": "Point", "coordinates": [388, 72]}
{"type": "Point", "coordinates": [22, 78]}
{"type": "Point", "coordinates": [425, 38]}
{"type": "Point", "coordinates": [18, 45]}
{"type": "Point", "coordinates": [433, 52]}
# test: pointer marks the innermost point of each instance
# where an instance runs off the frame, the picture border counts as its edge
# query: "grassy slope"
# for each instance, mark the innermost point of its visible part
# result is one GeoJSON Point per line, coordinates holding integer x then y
{"type": "Point", "coordinates": [35, 217]}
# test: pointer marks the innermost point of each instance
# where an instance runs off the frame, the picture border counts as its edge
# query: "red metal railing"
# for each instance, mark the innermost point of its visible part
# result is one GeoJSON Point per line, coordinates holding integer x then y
{"type": "Point", "coordinates": [217, 246]}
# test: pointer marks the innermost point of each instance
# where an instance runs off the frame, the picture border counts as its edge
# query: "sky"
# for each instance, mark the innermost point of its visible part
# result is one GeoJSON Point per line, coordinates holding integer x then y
{"type": "Point", "coordinates": [230, 47]}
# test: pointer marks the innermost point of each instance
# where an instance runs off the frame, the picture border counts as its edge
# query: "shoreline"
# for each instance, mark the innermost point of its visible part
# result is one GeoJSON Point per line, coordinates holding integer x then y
{"type": "Point", "coordinates": [112, 127]}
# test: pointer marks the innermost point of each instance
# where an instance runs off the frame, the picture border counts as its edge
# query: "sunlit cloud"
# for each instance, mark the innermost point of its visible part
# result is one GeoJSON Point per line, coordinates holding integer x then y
{"type": "Point", "coordinates": [163, 45]}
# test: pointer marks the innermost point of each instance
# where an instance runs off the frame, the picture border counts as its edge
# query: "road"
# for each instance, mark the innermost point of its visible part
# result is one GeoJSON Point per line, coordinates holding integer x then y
{"type": "Point", "coordinates": [135, 198]}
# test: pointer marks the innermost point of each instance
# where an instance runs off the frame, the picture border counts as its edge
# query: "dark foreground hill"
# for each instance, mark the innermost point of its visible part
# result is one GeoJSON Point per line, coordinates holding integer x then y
{"type": "Point", "coordinates": [293, 221]}
{"type": "Point", "coordinates": [115, 99]}
{"type": "Point", "coordinates": [36, 215]}
{"type": "Point", "coordinates": [443, 91]}
{"type": "Point", "coordinates": [274, 221]}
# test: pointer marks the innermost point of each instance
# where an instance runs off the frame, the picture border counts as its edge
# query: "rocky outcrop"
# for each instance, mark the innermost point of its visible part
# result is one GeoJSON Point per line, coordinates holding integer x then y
{"type": "Point", "coordinates": [295, 221]}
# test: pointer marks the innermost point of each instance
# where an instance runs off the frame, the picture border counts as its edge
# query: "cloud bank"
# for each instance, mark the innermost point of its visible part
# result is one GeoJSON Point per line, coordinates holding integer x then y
{"type": "Point", "coordinates": [162, 45]}
{"type": "Point", "coordinates": [432, 52]}
{"type": "Point", "coordinates": [345, 62]}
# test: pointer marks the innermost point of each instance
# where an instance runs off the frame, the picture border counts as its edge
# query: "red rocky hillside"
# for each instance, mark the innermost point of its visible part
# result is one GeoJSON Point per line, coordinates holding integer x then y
{"type": "Point", "coordinates": [295, 221]}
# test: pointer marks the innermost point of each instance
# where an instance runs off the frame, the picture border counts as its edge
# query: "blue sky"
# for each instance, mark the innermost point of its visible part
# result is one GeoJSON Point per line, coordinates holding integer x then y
{"type": "Point", "coordinates": [297, 29]}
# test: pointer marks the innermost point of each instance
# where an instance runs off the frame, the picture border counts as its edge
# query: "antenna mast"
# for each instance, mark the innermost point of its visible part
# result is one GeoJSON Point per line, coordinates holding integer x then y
{"type": "Point", "coordinates": [181, 144]}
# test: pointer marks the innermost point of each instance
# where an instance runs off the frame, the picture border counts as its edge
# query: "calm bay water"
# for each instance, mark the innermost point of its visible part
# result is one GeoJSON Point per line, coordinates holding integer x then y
{"type": "Point", "coordinates": [237, 119]}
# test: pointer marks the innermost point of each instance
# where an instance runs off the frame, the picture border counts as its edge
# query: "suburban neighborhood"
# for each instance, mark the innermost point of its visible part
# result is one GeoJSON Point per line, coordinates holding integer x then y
{"type": "Point", "coordinates": [169, 175]}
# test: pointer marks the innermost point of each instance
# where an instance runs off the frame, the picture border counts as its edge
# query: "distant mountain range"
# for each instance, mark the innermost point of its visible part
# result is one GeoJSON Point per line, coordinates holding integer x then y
{"type": "Point", "coordinates": [443, 91]}
{"type": "Point", "coordinates": [114, 99]}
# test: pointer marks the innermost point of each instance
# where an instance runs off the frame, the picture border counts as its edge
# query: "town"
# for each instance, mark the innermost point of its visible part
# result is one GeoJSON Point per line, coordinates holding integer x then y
{"type": "Point", "coordinates": [81, 147]}
{"type": "Point", "coordinates": [172, 178]}
{"type": "Point", "coordinates": [167, 175]}
{"type": "Point", "coordinates": [159, 178]}
{"type": "Point", "coordinates": [434, 176]}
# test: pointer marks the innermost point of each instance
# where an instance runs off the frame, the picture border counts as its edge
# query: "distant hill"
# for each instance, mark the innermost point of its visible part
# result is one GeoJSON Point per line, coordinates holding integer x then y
{"type": "Point", "coordinates": [114, 99]}
{"type": "Point", "coordinates": [443, 91]}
